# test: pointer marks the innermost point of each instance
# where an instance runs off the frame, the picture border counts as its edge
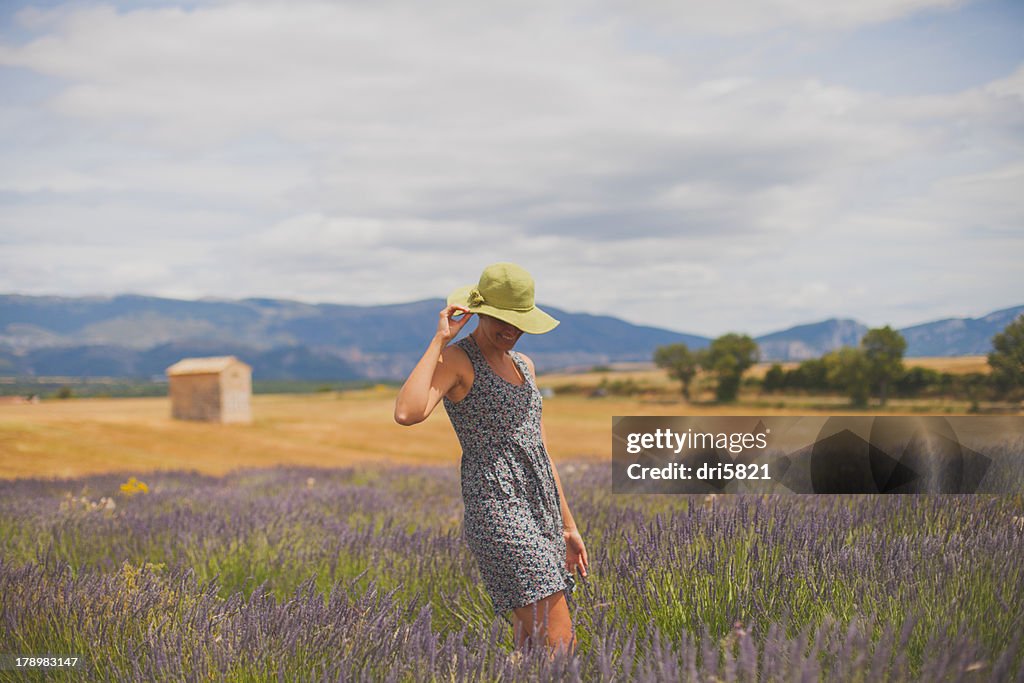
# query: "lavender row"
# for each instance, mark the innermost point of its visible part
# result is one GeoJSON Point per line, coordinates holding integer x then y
{"type": "Point", "coordinates": [352, 574]}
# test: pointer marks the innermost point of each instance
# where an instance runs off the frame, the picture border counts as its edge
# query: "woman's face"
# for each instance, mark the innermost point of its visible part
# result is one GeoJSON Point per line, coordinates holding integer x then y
{"type": "Point", "coordinates": [499, 333]}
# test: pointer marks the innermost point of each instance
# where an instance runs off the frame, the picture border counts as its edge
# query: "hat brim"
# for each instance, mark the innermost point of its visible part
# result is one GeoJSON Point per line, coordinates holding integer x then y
{"type": "Point", "coordinates": [533, 321]}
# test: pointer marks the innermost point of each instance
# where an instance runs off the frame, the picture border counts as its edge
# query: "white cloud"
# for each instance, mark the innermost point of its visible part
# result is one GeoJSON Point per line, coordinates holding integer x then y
{"type": "Point", "coordinates": [1011, 86]}
{"type": "Point", "coordinates": [382, 152]}
{"type": "Point", "coordinates": [751, 16]}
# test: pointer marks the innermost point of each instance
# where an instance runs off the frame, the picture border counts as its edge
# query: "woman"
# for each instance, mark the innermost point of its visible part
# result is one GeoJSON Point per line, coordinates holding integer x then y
{"type": "Point", "coordinates": [517, 522]}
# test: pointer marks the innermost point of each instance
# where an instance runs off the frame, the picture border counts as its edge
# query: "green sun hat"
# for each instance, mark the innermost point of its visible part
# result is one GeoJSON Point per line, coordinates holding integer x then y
{"type": "Point", "coordinates": [505, 292]}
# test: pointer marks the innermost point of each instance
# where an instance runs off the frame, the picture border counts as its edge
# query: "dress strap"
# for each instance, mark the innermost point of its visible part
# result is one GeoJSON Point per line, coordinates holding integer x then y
{"type": "Point", "coordinates": [523, 367]}
{"type": "Point", "coordinates": [468, 344]}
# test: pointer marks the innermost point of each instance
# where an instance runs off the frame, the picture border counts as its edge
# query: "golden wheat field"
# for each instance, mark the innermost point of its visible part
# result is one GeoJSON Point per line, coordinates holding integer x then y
{"type": "Point", "coordinates": [77, 437]}
{"type": "Point", "coordinates": [82, 436]}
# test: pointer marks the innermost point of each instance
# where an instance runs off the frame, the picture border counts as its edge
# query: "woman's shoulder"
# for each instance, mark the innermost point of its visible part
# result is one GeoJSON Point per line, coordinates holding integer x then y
{"type": "Point", "coordinates": [458, 362]}
{"type": "Point", "coordinates": [457, 357]}
{"type": "Point", "coordinates": [456, 353]}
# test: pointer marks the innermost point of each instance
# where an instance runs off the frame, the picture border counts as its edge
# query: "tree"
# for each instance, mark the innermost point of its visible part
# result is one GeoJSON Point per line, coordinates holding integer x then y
{"type": "Point", "coordinates": [680, 362]}
{"type": "Point", "coordinates": [916, 381]}
{"type": "Point", "coordinates": [1007, 358]}
{"type": "Point", "coordinates": [727, 358]}
{"type": "Point", "coordinates": [847, 370]}
{"type": "Point", "coordinates": [810, 375]}
{"type": "Point", "coordinates": [883, 350]}
{"type": "Point", "coordinates": [774, 379]}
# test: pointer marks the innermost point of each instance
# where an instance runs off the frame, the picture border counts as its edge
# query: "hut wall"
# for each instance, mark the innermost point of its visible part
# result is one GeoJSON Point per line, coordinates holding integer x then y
{"type": "Point", "coordinates": [236, 390]}
{"type": "Point", "coordinates": [195, 397]}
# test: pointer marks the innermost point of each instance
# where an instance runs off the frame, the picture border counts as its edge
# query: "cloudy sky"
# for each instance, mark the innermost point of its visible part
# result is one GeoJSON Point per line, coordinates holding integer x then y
{"type": "Point", "coordinates": [702, 166]}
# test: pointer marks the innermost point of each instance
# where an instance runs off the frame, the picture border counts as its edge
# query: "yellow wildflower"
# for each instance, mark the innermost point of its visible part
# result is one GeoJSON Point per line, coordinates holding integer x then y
{"type": "Point", "coordinates": [133, 486]}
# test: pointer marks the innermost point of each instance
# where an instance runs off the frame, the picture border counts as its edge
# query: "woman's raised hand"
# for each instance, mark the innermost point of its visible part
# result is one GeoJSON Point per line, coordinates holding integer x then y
{"type": "Point", "coordinates": [447, 327]}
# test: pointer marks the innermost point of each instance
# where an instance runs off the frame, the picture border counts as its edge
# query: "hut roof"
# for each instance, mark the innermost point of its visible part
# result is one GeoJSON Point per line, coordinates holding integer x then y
{"type": "Point", "coordinates": [204, 366]}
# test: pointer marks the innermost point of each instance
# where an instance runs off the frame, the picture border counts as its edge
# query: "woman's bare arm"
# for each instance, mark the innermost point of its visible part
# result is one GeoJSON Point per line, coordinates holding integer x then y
{"type": "Point", "coordinates": [434, 375]}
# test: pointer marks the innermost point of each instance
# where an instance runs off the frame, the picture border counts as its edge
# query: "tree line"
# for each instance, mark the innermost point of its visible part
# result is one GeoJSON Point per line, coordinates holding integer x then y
{"type": "Point", "coordinates": [874, 368]}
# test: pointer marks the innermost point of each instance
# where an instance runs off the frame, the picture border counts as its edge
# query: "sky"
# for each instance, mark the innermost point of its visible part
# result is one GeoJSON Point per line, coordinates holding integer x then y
{"type": "Point", "coordinates": [706, 167]}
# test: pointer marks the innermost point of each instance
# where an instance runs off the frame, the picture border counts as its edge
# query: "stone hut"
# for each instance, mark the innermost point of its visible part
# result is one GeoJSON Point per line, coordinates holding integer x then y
{"type": "Point", "coordinates": [216, 389]}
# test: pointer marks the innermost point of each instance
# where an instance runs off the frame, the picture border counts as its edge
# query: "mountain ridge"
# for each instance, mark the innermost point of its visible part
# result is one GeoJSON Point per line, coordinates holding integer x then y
{"type": "Point", "coordinates": [132, 335]}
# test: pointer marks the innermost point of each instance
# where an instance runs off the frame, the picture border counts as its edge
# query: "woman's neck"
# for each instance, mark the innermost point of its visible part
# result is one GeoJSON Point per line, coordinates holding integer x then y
{"type": "Point", "coordinates": [490, 351]}
{"type": "Point", "coordinates": [500, 361]}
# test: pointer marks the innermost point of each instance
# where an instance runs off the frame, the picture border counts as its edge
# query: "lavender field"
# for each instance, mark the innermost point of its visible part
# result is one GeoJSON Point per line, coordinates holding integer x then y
{"type": "Point", "coordinates": [358, 574]}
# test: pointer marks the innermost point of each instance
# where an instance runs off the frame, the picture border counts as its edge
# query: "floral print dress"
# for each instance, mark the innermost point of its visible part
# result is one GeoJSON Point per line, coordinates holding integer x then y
{"type": "Point", "coordinates": [513, 520]}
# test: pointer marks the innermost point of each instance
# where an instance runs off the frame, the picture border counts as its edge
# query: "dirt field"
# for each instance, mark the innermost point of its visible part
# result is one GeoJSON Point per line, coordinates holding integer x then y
{"type": "Point", "coordinates": [959, 365]}
{"type": "Point", "coordinates": [76, 437]}
{"type": "Point", "coordinates": [82, 436]}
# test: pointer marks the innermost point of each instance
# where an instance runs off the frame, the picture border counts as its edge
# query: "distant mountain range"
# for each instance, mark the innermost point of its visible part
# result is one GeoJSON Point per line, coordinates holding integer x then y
{"type": "Point", "coordinates": [139, 336]}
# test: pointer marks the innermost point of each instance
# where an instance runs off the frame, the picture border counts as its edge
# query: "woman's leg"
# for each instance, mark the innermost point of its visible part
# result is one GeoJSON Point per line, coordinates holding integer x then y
{"type": "Point", "coordinates": [550, 618]}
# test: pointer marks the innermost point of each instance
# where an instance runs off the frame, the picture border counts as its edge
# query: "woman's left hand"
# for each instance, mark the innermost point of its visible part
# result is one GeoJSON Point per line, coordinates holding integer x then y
{"type": "Point", "coordinates": [575, 552]}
